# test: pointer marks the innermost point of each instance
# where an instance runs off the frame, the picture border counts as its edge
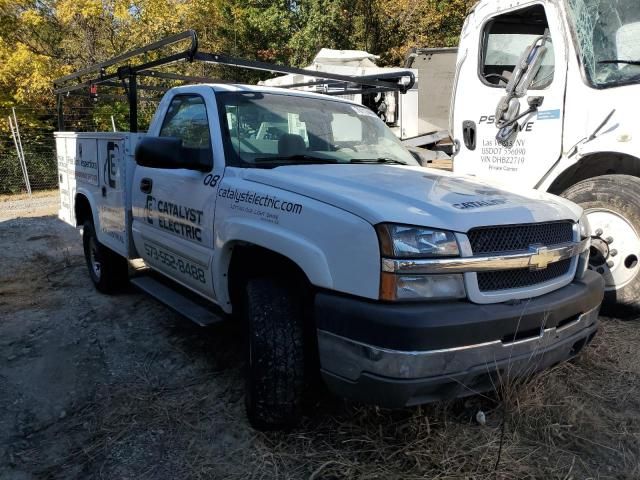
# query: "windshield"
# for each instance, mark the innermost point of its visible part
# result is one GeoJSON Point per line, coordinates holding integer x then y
{"type": "Point", "coordinates": [266, 129]}
{"type": "Point", "coordinates": [608, 37]}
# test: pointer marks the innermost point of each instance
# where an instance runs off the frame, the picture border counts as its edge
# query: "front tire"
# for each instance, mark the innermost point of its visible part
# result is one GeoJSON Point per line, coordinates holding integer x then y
{"type": "Point", "coordinates": [107, 269]}
{"type": "Point", "coordinates": [612, 205]}
{"type": "Point", "coordinates": [275, 378]}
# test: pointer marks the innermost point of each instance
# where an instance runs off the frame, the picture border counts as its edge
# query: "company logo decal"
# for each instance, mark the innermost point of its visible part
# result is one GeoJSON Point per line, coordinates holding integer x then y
{"type": "Point", "coordinates": [480, 203]}
{"type": "Point", "coordinates": [177, 219]}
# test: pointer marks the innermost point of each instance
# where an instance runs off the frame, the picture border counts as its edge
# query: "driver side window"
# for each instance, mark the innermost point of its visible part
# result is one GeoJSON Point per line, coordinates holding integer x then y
{"type": "Point", "coordinates": [504, 40]}
{"type": "Point", "coordinates": [187, 120]}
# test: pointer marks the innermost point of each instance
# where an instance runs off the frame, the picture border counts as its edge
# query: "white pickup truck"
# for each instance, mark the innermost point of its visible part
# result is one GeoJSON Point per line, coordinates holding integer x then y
{"type": "Point", "coordinates": [305, 217]}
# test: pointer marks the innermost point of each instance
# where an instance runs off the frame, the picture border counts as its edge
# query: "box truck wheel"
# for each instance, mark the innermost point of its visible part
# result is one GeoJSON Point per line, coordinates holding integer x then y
{"type": "Point", "coordinates": [273, 311]}
{"type": "Point", "coordinates": [612, 205]}
{"type": "Point", "coordinates": [107, 269]}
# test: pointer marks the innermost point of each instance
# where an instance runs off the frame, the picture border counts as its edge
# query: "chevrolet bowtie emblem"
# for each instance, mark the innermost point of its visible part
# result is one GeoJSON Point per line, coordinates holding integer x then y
{"type": "Point", "coordinates": [541, 258]}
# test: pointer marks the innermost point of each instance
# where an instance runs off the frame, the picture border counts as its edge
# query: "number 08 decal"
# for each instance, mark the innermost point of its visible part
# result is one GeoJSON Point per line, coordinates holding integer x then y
{"type": "Point", "coordinates": [211, 180]}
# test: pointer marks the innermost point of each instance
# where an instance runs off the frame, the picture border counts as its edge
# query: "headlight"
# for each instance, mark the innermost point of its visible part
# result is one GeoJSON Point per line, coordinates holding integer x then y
{"type": "Point", "coordinates": [585, 228]}
{"type": "Point", "coordinates": [403, 241]}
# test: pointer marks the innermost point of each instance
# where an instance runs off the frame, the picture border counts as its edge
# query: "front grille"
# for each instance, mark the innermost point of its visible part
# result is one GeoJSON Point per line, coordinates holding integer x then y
{"type": "Point", "coordinates": [513, 238]}
{"type": "Point", "coordinates": [521, 277]}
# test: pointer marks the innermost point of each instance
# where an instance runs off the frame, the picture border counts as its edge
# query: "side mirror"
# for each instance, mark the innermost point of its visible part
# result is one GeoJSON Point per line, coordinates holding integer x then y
{"type": "Point", "coordinates": [507, 111]}
{"type": "Point", "coordinates": [527, 67]}
{"type": "Point", "coordinates": [521, 80]}
{"type": "Point", "coordinates": [168, 152]}
{"type": "Point", "coordinates": [535, 54]}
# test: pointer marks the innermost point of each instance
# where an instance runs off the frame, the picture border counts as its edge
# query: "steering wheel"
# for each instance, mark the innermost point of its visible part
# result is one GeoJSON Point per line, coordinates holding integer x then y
{"type": "Point", "coordinates": [342, 148]}
{"type": "Point", "coordinates": [496, 75]}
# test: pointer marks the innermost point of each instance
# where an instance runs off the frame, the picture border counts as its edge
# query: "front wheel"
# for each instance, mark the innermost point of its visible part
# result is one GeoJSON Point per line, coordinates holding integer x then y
{"type": "Point", "coordinates": [612, 205]}
{"type": "Point", "coordinates": [275, 381]}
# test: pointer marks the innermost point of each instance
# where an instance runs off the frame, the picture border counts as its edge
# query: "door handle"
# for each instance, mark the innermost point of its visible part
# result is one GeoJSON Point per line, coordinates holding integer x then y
{"type": "Point", "coordinates": [146, 185]}
{"type": "Point", "coordinates": [469, 134]}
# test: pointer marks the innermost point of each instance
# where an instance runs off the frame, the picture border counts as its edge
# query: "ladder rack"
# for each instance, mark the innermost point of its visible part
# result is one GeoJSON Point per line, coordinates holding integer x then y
{"type": "Point", "coordinates": [128, 75]}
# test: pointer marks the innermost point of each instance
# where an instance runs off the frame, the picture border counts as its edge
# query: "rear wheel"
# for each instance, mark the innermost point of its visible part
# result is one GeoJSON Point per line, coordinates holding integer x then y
{"type": "Point", "coordinates": [275, 378]}
{"type": "Point", "coordinates": [612, 205]}
{"type": "Point", "coordinates": [107, 269]}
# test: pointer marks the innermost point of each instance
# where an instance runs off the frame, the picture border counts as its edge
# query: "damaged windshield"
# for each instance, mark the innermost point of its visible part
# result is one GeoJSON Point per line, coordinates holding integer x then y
{"type": "Point", "coordinates": [266, 129]}
{"type": "Point", "coordinates": [608, 37]}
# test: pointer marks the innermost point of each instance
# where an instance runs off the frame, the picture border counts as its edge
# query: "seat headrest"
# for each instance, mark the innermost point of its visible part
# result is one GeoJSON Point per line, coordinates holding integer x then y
{"type": "Point", "coordinates": [291, 144]}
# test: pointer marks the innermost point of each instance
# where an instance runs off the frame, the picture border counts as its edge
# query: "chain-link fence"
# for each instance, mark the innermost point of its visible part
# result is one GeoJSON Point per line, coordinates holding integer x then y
{"type": "Point", "coordinates": [28, 164]}
{"type": "Point", "coordinates": [27, 150]}
{"type": "Point", "coordinates": [28, 167]}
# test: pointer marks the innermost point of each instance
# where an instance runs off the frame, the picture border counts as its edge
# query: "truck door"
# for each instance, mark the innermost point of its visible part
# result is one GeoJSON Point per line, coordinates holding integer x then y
{"type": "Point", "coordinates": [174, 209]}
{"type": "Point", "coordinates": [490, 55]}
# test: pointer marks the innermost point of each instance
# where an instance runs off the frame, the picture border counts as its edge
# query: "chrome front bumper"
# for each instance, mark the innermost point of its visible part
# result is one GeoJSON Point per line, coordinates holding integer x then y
{"type": "Point", "coordinates": [349, 359]}
{"type": "Point", "coordinates": [394, 355]}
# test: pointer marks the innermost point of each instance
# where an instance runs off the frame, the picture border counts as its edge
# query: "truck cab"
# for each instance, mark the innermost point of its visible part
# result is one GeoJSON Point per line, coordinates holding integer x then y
{"type": "Point", "coordinates": [541, 101]}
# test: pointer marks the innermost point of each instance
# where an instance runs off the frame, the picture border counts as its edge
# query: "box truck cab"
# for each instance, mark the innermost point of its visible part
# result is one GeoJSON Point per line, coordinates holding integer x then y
{"type": "Point", "coordinates": [545, 97]}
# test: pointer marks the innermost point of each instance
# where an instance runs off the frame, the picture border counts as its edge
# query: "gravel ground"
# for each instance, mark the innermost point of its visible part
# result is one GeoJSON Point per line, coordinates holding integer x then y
{"type": "Point", "coordinates": [120, 387]}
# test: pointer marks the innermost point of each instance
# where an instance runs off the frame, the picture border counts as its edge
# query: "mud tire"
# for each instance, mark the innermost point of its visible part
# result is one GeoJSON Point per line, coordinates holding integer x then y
{"type": "Point", "coordinates": [275, 378]}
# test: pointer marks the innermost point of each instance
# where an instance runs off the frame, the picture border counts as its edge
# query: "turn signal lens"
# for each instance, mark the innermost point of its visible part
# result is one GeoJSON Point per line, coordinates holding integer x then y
{"type": "Point", "coordinates": [421, 287]}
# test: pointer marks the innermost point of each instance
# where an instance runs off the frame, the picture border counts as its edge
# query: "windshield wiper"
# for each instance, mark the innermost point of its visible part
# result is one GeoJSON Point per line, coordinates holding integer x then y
{"type": "Point", "coordinates": [614, 61]}
{"type": "Point", "coordinates": [388, 160]}
{"type": "Point", "coordinates": [296, 158]}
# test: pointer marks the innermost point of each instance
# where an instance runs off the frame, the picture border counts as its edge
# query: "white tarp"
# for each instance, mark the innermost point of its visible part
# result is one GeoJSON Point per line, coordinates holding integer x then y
{"type": "Point", "coordinates": [342, 62]}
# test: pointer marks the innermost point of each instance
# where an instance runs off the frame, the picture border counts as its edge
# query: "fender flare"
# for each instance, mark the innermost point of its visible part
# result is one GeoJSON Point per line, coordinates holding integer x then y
{"type": "Point", "coordinates": [297, 248]}
{"type": "Point", "coordinates": [593, 164]}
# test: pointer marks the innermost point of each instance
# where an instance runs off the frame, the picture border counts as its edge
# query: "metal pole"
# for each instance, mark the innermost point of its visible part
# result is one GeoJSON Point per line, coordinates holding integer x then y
{"type": "Point", "coordinates": [133, 103]}
{"type": "Point", "coordinates": [113, 124]}
{"type": "Point", "coordinates": [23, 164]}
{"type": "Point", "coordinates": [60, 112]}
{"type": "Point", "coordinates": [20, 161]}
{"type": "Point", "coordinates": [24, 160]}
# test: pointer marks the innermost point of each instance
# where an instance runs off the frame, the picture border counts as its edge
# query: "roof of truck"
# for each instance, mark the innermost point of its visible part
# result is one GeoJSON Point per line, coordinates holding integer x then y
{"type": "Point", "coordinates": [239, 87]}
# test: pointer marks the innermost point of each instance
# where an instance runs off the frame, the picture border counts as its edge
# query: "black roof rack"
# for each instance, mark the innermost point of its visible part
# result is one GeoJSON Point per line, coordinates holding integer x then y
{"type": "Point", "coordinates": [127, 75]}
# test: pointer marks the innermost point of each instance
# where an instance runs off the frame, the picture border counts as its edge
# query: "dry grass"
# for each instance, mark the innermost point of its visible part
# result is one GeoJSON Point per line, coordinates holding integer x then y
{"type": "Point", "coordinates": [579, 420]}
{"type": "Point", "coordinates": [25, 196]}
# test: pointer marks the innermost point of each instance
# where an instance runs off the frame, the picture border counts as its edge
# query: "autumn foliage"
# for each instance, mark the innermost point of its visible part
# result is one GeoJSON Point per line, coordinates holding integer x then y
{"type": "Point", "coordinates": [42, 39]}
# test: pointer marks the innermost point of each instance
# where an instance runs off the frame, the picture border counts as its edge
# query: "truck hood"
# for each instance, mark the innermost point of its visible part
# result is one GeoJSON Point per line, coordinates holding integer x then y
{"type": "Point", "coordinates": [415, 195]}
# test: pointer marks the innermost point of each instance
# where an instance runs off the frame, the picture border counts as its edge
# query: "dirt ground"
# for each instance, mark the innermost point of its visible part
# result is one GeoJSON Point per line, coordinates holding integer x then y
{"type": "Point", "coordinates": [120, 387]}
{"type": "Point", "coordinates": [37, 204]}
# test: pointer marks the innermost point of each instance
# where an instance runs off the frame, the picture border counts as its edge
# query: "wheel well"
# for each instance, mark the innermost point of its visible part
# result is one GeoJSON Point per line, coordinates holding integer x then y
{"type": "Point", "coordinates": [594, 165]}
{"type": "Point", "coordinates": [82, 209]}
{"type": "Point", "coordinates": [249, 261]}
